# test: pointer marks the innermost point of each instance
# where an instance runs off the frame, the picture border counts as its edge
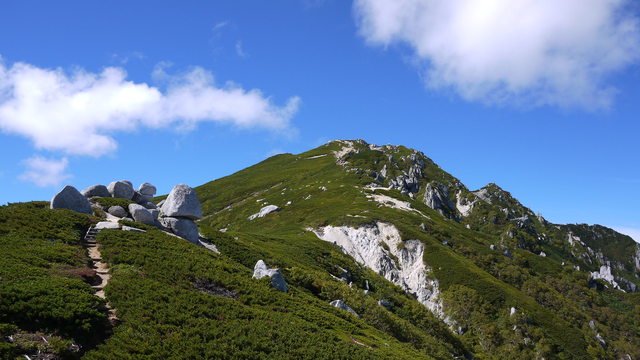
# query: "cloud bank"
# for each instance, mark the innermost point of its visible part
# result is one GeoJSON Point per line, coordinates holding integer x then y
{"type": "Point", "coordinates": [45, 172]}
{"type": "Point", "coordinates": [528, 52]}
{"type": "Point", "coordinates": [79, 112]}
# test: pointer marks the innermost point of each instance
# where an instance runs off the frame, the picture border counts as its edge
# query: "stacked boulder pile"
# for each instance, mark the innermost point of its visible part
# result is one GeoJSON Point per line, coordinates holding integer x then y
{"type": "Point", "coordinates": [176, 214]}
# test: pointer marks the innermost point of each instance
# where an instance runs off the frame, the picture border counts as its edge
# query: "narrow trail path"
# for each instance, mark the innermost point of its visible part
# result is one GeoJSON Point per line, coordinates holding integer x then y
{"type": "Point", "coordinates": [101, 268]}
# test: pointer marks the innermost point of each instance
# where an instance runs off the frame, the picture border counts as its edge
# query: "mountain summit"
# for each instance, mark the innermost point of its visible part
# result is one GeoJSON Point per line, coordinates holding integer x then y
{"type": "Point", "coordinates": [373, 252]}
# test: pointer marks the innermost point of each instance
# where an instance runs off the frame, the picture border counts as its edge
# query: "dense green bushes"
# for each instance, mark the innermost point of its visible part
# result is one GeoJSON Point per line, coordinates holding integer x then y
{"type": "Point", "coordinates": [40, 289]}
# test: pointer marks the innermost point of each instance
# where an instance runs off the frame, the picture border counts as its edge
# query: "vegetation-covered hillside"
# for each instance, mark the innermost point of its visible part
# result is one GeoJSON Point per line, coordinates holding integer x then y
{"type": "Point", "coordinates": [432, 269]}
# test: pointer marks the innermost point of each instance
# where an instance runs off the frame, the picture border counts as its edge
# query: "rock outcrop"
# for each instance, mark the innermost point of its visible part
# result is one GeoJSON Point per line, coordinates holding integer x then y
{"type": "Point", "coordinates": [381, 249]}
{"type": "Point", "coordinates": [261, 270]}
{"type": "Point", "coordinates": [341, 305]}
{"type": "Point", "coordinates": [96, 190]}
{"type": "Point", "coordinates": [70, 198]}
{"type": "Point", "coordinates": [182, 202]}
{"type": "Point", "coordinates": [121, 189]}
{"type": "Point", "coordinates": [264, 211]}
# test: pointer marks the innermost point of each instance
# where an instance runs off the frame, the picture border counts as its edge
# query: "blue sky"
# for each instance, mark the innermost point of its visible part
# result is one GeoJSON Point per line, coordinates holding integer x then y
{"type": "Point", "coordinates": [538, 97]}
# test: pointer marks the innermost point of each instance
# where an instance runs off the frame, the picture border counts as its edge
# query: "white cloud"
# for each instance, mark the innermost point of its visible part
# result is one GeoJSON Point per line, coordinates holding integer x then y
{"type": "Point", "coordinates": [633, 232]}
{"type": "Point", "coordinates": [79, 112]}
{"type": "Point", "coordinates": [529, 52]}
{"type": "Point", "coordinates": [45, 172]}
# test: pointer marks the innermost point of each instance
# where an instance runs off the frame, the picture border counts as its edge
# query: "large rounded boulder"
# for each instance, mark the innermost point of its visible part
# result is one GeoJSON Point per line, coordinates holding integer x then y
{"type": "Point", "coordinates": [182, 202]}
{"type": "Point", "coordinates": [96, 190]}
{"type": "Point", "coordinates": [121, 189]}
{"type": "Point", "coordinates": [141, 214]}
{"type": "Point", "coordinates": [70, 198]}
{"type": "Point", "coordinates": [183, 227]}
{"type": "Point", "coordinates": [147, 189]}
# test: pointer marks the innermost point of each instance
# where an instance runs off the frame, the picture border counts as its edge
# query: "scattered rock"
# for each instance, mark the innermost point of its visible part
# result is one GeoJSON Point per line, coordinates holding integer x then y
{"type": "Point", "coordinates": [129, 228]}
{"type": "Point", "coordinates": [70, 198]}
{"type": "Point", "coordinates": [513, 311]}
{"type": "Point", "coordinates": [106, 225]}
{"type": "Point", "coordinates": [492, 247]}
{"type": "Point", "coordinates": [121, 189]}
{"type": "Point", "coordinates": [182, 202]}
{"type": "Point", "coordinates": [341, 305]}
{"type": "Point", "coordinates": [384, 303]}
{"type": "Point", "coordinates": [96, 190]}
{"type": "Point", "coordinates": [183, 227]}
{"type": "Point", "coordinates": [141, 214]}
{"type": "Point", "coordinates": [543, 254]}
{"type": "Point", "coordinates": [117, 211]}
{"type": "Point", "coordinates": [264, 211]}
{"type": "Point", "coordinates": [507, 253]}
{"type": "Point", "coordinates": [147, 189]}
{"type": "Point", "coordinates": [261, 270]}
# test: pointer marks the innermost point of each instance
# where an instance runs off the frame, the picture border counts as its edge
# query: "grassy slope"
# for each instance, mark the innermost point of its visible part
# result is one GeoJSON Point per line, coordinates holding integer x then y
{"type": "Point", "coordinates": [41, 278]}
{"type": "Point", "coordinates": [164, 316]}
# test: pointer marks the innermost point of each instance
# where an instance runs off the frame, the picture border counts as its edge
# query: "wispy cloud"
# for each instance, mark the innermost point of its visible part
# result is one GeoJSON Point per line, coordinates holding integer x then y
{"type": "Point", "coordinates": [240, 50]}
{"type": "Point", "coordinates": [525, 52]}
{"type": "Point", "coordinates": [79, 112]}
{"type": "Point", "coordinates": [124, 58]}
{"type": "Point", "coordinates": [45, 172]}
{"type": "Point", "coordinates": [219, 25]}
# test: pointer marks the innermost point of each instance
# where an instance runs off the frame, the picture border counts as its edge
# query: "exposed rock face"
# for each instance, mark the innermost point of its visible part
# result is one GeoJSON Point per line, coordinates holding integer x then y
{"type": "Point", "coordinates": [341, 305]}
{"type": "Point", "coordinates": [70, 198]}
{"type": "Point", "coordinates": [96, 190]}
{"type": "Point", "coordinates": [182, 202]}
{"type": "Point", "coordinates": [605, 274]}
{"type": "Point", "coordinates": [437, 197]}
{"type": "Point", "coordinates": [463, 205]}
{"type": "Point", "coordinates": [183, 227]}
{"type": "Point", "coordinates": [261, 270]}
{"type": "Point", "coordinates": [141, 214]}
{"type": "Point", "coordinates": [121, 189]}
{"type": "Point", "coordinates": [118, 211]}
{"type": "Point", "coordinates": [364, 244]}
{"type": "Point", "coordinates": [264, 211]}
{"type": "Point", "coordinates": [147, 189]}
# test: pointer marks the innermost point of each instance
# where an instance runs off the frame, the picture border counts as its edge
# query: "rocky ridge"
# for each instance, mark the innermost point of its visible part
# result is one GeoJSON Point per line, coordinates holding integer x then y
{"type": "Point", "coordinates": [177, 213]}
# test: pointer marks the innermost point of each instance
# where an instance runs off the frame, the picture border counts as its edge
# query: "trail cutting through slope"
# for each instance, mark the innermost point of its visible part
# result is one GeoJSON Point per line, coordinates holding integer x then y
{"type": "Point", "coordinates": [101, 268]}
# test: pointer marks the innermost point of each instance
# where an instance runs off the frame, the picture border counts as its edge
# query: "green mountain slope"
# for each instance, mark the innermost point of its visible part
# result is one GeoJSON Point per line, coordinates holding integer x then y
{"type": "Point", "coordinates": [433, 270]}
{"type": "Point", "coordinates": [342, 184]}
